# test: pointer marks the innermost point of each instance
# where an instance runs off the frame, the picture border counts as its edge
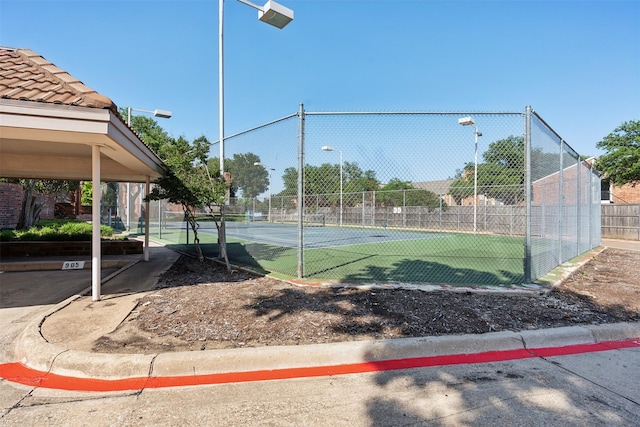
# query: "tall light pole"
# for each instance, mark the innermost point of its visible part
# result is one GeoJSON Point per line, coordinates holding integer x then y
{"type": "Point", "coordinates": [330, 148]}
{"type": "Point", "coordinates": [271, 13]}
{"type": "Point", "coordinates": [157, 113]}
{"type": "Point", "coordinates": [270, 169]}
{"type": "Point", "coordinates": [468, 121]}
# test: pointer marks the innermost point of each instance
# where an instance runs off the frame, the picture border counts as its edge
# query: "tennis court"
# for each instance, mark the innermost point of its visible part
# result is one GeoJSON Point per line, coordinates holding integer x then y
{"type": "Point", "coordinates": [368, 255]}
{"type": "Point", "coordinates": [286, 235]}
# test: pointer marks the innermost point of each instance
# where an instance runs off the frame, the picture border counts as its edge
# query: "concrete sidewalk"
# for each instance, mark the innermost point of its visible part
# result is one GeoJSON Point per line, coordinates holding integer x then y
{"type": "Point", "coordinates": [629, 245]}
{"type": "Point", "coordinates": [74, 321]}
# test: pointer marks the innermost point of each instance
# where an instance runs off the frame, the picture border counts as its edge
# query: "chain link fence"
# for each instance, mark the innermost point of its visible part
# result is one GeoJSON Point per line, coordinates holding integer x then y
{"type": "Point", "coordinates": [459, 198]}
{"type": "Point", "coordinates": [565, 203]}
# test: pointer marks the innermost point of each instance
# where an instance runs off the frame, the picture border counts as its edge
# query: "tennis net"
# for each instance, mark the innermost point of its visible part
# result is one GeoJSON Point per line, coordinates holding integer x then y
{"type": "Point", "coordinates": [243, 220]}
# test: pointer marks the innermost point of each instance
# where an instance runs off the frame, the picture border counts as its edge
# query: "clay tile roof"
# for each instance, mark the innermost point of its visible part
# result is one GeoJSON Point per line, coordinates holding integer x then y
{"type": "Point", "coordinates": [27, 76]}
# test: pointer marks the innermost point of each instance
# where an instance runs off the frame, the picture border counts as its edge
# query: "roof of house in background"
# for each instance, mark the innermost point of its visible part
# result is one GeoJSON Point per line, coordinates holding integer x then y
{"type": "Point", "coordinates": [438, 187]}
{"type": "Point", "coordinates": [27, 76]}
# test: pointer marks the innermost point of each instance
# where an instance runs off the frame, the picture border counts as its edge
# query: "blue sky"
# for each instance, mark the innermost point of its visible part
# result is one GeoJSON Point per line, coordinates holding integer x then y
{"type": "Point", "coordinates": [577, 63]}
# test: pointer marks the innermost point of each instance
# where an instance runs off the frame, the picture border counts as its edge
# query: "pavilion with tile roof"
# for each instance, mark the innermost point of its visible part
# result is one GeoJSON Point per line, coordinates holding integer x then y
{"type": "Point", "coordinates": [53, 126]}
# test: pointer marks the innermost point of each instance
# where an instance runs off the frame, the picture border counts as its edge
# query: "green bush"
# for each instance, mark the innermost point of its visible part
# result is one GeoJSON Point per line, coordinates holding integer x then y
{"type": "Point", "coordinates": [28, 235]}
{"type": "Point", "coordinates": [56, 230]}
{"type": "Point", "coordinates": [7, 235]}
{"type": "Point", "coordinates": [47, 233]}
{"type": "Point", "coordinates": [106, 231]}
{"type": "Point", "coordinates": [52, 223]}
{"type": "Point", "coordinates": [71, 229]}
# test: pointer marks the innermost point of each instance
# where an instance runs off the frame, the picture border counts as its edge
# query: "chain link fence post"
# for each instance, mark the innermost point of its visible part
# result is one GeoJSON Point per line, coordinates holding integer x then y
{"type": "Point", "coordinates": [528, 194]}
{"type": "Point", "coordinates": [301, 120]}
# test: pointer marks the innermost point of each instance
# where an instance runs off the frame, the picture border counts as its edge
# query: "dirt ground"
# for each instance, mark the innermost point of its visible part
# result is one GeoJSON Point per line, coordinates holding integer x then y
{"type": "Point", "coordinates": [198, 306]}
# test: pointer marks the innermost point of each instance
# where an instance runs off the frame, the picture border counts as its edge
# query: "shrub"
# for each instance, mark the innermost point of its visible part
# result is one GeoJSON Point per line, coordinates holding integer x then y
{"type": "Point", "coordinates": [51, 223]}
{"type": "Point", "coordinates": [56, 230]}
{"type": "Point", "coordinates": [76, 230]}
{"type": "Point", "coordinates": [106, 231]}
{"type": "Point", "coordinates": [47, 233]}
{"type": "Point", "coordinates": [7, 235]}
{"type": "Point", "coordinates": [29, 235]}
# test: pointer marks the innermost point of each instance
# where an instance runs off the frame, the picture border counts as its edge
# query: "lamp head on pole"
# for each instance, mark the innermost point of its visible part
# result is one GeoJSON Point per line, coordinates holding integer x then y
{"type": "Point", "coordinates": [275, 14]}
{"type": "Point", "coordinates": [466, 121]}
{"type": "Point", "coordinates": [263, 165]}
{"type": "Point", "coordinates": [162, 113]}
{"type": "Point", "coordinates": [157, 113]}
{"type": "Point", "coordinates": [327, 148]}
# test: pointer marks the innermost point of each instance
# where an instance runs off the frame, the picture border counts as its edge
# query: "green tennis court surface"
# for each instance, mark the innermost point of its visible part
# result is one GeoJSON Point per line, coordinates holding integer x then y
{"type": "Point", "coordinates": [367, 255]}
{"type": "Point", "coordinates": [286, 235]}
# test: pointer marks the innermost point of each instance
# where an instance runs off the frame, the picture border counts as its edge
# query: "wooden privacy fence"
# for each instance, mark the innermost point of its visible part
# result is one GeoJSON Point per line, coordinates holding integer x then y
{"type": "Point", "coordinates": [621, 221]}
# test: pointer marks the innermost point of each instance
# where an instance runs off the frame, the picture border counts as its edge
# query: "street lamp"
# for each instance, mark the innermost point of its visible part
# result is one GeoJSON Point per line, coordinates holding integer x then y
{"type": "Point", "coordinates": [271, 13]}
{"type": "Point", "coordinates": [330, 148]}
{"type": "Point", "coordinates": [157, 113]}
{"type": "Point", "coordinates": [165, 115]}
{"type": "Point", "coordinates": [468, 121]}
{"type": "Point", "coordinates": [270, 169]}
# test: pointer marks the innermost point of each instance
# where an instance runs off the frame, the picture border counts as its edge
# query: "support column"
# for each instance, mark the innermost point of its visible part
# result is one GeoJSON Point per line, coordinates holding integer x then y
{"type": "Point", "coordinates": [128, 205]}
{"type": "Point", "coordinates": [96, 256]}
{"type": "Point", "coordinates": [147, 189]}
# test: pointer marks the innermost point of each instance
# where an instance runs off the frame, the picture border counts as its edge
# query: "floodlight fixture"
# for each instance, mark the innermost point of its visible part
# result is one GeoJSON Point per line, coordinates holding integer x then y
{"type": "Point", "coordinates": [466, 121]}
{"type": "Point", "coordinates": [263, 165]}
{"type": "Point", "coordinates": [162, 113]}
{"type": "Point", "coordinates": [272, 13]}
{"type": "Point", "coordinates": [157, 113]}
{"type": "Point", "coordinates": [275, 14]}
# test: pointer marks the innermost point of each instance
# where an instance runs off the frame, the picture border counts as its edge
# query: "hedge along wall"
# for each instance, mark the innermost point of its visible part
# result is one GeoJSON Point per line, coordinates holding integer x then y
{"type": "Point", "coordinates": [11, 203]}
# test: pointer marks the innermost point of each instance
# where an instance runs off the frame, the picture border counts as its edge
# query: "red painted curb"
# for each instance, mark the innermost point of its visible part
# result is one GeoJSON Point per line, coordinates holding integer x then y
{"type": "Point", "coordinates": [18, 373]}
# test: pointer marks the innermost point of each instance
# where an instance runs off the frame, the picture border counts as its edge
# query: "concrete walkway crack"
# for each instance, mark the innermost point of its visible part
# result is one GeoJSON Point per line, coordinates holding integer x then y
{"type": "Point", "coordinates": [559, 365]}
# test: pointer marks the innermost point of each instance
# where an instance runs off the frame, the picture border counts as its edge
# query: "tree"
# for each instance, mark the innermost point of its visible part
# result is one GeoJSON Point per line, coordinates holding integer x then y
{"type": "Point", "coordinates": [324, 182]}
{"type": "Point", "coordinates": [462, 186]}
{"type": "Point", "coordinates": [246, 177]}
{"type": "Point", "coordinates": [149, 131]}
{"type": "Point", "coordinates": [30, 208]}
{"type": "Point", "coordinates": [500, 176]}
{"type": "Point", "coordinates": [86, 194]}
{"type": "Point", "coordinates": [189, 184]}
{"type": "Point", "coordinates": [290, 181]}
{"type": "Point", "coordinates": [357, 180]}
{"type": "Point", "coordinates": [402, 193]}
{"type": "Point", "coordinates": [621, 164]}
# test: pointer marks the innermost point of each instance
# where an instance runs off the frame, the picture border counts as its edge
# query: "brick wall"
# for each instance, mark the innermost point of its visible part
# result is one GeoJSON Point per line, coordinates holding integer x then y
{"type": "Point", "coordinates": [11, 203]}
{"type": "Point", "coordinates": [48, 202]}
{"type": "Point", "coordinates": [625, 194]}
